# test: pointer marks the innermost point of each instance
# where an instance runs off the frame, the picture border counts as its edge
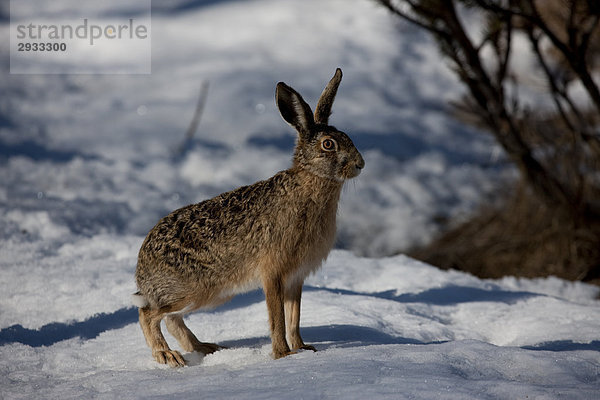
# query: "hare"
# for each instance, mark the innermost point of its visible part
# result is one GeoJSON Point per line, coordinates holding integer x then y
{"type": "Point", "coordinates": [271, 234]}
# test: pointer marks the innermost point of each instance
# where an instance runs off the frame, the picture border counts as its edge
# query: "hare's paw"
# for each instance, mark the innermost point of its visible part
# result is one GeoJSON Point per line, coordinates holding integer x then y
{"type": "Point", "coordinates": [295, 350]}
{"type": "Point", "coordinates": [307, 347]}
{"type": "Point", "coordinates": [208, 348]}
{"type": "Point", "coordinates": [292, 352]}
{"type": "Point", "coordinates": [297, 344]}
{"type": "Point", "coordinates": [171, 357]}
{"type": "Point", "coordinates": [281, 354]}
{"type": "Point", "coordinates": [282, 351]}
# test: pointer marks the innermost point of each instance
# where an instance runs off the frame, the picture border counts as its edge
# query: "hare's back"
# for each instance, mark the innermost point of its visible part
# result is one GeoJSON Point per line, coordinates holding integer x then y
{"type": "Point", "coordinates": [206, 233]}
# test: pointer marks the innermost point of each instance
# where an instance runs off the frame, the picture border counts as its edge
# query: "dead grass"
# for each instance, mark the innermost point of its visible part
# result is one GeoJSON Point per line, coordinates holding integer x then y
{"type": "Point", "coordinates": [522, 237]}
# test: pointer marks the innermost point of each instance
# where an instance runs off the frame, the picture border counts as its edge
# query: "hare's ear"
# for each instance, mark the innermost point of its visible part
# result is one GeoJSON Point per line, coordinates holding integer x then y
{"type": "Point", "coordinates": [294, 109]}
{"type": "Point", "coordinates": [323, 109]}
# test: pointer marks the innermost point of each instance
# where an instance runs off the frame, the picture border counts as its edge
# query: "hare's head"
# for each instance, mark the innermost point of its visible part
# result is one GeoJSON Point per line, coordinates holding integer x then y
{"type": "Point", "coordinates": [320, 148]}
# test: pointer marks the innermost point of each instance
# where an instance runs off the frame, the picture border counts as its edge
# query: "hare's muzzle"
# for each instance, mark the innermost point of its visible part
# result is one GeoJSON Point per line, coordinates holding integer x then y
{"type": "Point", "coordinates": [359, 164]}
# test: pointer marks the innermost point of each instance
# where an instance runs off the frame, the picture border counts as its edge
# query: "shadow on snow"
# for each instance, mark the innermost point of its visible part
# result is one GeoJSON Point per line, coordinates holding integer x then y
{"type": "Point", "coordinates": [90, 328]}
{"type": "Point", "coordinates": [38, 152]}
{"type": "Point", "coordinates": [55, 332]}
{"type": "Point", "coordinates": [564, 345]}
{"type": "Point", "coordinates": [446, 296]}
{"type": "Point", "coordinates": [325, 336]}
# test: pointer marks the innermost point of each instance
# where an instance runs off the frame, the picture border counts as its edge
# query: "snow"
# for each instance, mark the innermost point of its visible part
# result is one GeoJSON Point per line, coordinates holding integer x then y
{"type": "Point", "coordinates": [87, 166]}
{"type": "Point", "coordinates": [388, 328]}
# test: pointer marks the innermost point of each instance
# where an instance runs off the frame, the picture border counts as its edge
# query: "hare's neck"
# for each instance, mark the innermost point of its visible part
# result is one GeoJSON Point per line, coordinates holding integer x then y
{"type": "Point", "coordinates": [312, 170]}
{"type": "Point", "coordinates": [314, 207]}
{"type": "Point", "coordinates": [323, 190]}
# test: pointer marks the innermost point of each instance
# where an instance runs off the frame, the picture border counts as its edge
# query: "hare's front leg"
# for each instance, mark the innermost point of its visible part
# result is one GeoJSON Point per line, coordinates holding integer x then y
{"type": "Point", "coordinates": [150, 322]}
{"type": "Point", "coordinates": [274, 293]}
{"type": "Point", "coordinates": [293, 295]}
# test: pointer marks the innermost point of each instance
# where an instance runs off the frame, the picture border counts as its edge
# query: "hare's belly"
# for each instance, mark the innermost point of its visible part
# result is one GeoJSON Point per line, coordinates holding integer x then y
{"type": "Point", "coordinates": [298, 276]}
{"type": "Point", "coordinates": [249, 283]}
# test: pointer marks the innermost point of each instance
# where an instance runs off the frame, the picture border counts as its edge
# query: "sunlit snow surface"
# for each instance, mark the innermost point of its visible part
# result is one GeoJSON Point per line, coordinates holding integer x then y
{"type": "Point", "coordinates": [387, 328]}
{"type": "Point", "coordinates": [87, 167]}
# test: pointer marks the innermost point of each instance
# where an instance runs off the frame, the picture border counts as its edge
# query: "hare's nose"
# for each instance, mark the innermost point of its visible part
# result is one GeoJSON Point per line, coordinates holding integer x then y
{"type": "Point", "coordinates": [360, 164]}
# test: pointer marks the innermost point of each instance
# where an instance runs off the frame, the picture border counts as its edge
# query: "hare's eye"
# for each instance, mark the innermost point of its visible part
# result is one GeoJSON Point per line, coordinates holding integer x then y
{"type": "Point", "coordinates": [328, 144]}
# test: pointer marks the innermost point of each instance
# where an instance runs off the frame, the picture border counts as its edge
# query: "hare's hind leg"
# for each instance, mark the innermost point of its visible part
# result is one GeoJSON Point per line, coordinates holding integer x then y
{"type": "Point", "coordinates": [150, 322]}
{"type": "Point", "coordinates": [187, 340]}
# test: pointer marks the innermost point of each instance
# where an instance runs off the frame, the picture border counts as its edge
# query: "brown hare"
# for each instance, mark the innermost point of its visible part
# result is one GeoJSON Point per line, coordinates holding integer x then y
{"type": "Point", "coordinates": [271, 234]}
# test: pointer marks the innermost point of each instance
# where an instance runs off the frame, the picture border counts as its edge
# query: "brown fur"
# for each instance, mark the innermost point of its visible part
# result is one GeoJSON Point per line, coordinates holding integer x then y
{"type": "Point", "coordinates": [271, 234]}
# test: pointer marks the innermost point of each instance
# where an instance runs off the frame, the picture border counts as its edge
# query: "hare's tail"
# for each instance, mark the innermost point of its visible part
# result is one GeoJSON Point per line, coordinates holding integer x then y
{"type": "Point", "coordinates": [139, 300]}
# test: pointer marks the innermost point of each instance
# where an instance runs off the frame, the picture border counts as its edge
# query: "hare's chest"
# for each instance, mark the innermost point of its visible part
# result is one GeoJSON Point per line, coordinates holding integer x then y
{"type": "Point", "coordinates": [311, 255]}
{"type": "Point", "coordinates": [319, 236]}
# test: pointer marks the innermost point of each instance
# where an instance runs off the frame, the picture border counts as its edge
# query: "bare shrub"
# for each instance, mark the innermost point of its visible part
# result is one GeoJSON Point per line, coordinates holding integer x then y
{"type": "Point", "coordinates": [550, 225]}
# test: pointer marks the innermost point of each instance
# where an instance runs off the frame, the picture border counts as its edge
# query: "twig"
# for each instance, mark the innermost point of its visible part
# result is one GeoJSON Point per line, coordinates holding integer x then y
{"type": "Point", "coordinates": [191, 131]}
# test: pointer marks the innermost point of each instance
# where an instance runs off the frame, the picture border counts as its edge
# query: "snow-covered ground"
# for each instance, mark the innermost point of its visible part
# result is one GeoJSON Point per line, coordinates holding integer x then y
{"type": "Point", "coordinates": [384, 328]}
{"type": "Point", "coordinates": [87, 167]}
